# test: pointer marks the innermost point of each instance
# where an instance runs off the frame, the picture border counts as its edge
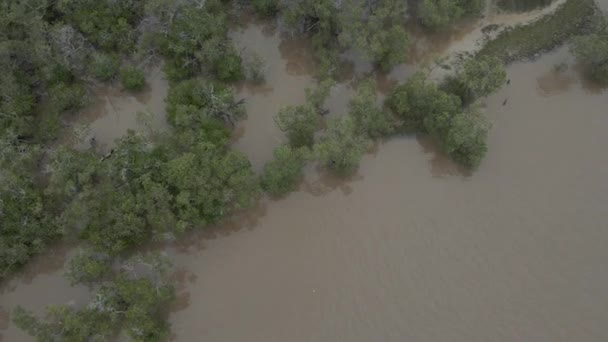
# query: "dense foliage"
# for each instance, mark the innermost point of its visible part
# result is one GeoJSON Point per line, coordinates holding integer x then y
{"type": "Point", "coordinates": [592, 52]}
{"type": "Point", "coordinates": [376, 30]}
{"type": "Point", "coordinates": [341, 148]}
{"type": "Point", "coordinates": [372, 28]}
{"type": "Point", "coordinates": [143, 188]}
{"type": "Point", "coordinates": [164, 189]}
{"type": "Point", "coordinates": [105, 23]}
{"type": "Point", "coordinates": [425, 108]}
{"type": "Point", "coordinates": [26, 227]}
{"type": "Point", "coordinates": [441, 14]}
{"type": "Point", "coordinates": [282, 174]}
{"type": "Point", "coordinates": [522, 5]}
{"type": "Point", "coordinates": [477, 78]}
{"type": "Point", "coordinates": [417, 102]}
{"type": "Point", "coordinates": [132, 78]}
{"type": "Point", "coordinates": [571, 18]}
{"type": "Point", "coordinates": [130, 302]}
{"type": "Point", "coordinates": [299, 123]}
{"type": "Point", "coordinates": [369, 118]}
{"type": "Point", "coordinates": [196, 41]}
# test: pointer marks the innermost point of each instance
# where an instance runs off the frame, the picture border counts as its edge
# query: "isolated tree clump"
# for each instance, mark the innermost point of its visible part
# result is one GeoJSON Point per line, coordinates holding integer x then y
{"type": "Point", "coordinates": [104, 66]}
{"type": "Point", "coordinates": [88, 267]}
{"type": "Point", "coordinates": [194, 102]}
{"type": "Point", "coordinates": [376, 30]}
{"type": "Point", "coordinates": [107, 24]}
{"type": "Point", "coordinates": [478, 77]}
{"type": "Point", "coordinates": [417, 101]}
{"type": "Point", "coordinates": [465, 138]}
{"type": "Point", "coordinates": [132, 78]}
{"type": "Point", "coordinates": [592, 52]}
{"type": "Point", "coordinates": [299, 123]}
{"type": "Point", "coordinates": [266, 8]}
{"type": "Point", "coordinates": [369, 118]}
{"type": "Point", "coordinates": [424, 108]}
{"type": "Point", "coordinates": [282, 174]}
{"type": "Point", "coordinates": [131, 303]}
{"type": "Point", "coordinates": [342, 147]}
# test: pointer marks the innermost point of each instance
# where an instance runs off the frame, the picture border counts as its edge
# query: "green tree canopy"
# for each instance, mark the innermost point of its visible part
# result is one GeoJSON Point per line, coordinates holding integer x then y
{"type": "Point", "coordinates": [479, 77]}
{"type": "Point", "coordinates": [418, 100]}
{"type": "Point", "coordinates": [299, 123]}
{"type": "Point", "coordinates": [369, 118]}
{"type": "Point", "coordinates": [342, 147]}
{"type": "Point", "coordinates": [376, 29]}
{"type": "Point", "coordinates": [130, 302]}
{"type": "Point", "coordinates": [441, 14]}
{"type": "Point", "coordinates": [197, 99]}
{"type": "Point", "coordinates": [283, 173]}
{"type": "Point", "coordinates": [197, 41]}
{"type": "Point", "coordinates": [26, 227]}
{"type": "Point", "coordinates": [592, 51]}
{"type": "Point", "coordinates": [107, 24]}
{"type": "Point", "coordinates": [465, 139]}
{"type": "Point", "coordinates": [132, 78]}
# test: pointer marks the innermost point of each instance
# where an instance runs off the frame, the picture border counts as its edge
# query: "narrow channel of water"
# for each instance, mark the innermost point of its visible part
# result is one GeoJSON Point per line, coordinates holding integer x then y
{"type": "Point", "coordinates": [113, 111]}
{"type": "Point", "coordinates": [288, 70]}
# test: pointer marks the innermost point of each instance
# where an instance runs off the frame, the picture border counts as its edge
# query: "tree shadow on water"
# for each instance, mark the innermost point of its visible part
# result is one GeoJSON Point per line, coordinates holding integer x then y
{"type": "Point", "coordinates": [194, 241]}
{"type": "Point", "coordinates": [48, 262]}
{"type": "Point", "coordinates": [327, 182]}
{"type": "Point", "coordinates": [441, 165]}
{"type": "Point", "coordinates": [182, 278]}
{"type": "Point", "coordinates": [4, 319]}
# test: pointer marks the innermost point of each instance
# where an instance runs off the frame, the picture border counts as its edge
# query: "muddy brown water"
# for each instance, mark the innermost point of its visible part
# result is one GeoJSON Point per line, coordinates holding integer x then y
{"type": "Point", "coordinates": [411, 248]}
{"type": "Point", "coordinates": [288, 69]}
{"type": "Point", "coordinates": [113, 112]}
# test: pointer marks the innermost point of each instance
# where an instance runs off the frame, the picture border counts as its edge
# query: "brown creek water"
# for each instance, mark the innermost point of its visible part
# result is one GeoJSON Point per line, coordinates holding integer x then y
{"type": "Point", "coordinates": [409, 249]}
{"type": "Point", "coordinates": [114, 111]}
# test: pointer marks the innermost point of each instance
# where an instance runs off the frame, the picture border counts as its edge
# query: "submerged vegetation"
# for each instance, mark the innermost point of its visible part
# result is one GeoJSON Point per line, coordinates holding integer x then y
{"type": "Point", "coordinates": [112, 202]}
{"type": "Point", "coordinates": [592, 52]}
{"type": "Point", "coordinates": [132, 301]}
{"type": "Point", "coordinates": [570, 19]}
{"type": "Point", "coordinates": [441, 14]}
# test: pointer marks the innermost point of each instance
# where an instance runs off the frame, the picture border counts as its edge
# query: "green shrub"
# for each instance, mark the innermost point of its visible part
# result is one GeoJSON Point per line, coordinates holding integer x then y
{"type": "Point", "coordinates": [299, 123]}
{"type": "Point", "coordinates": [440, 14]}
{"type": "Point", "coordinates": [88, 267]}
{"type": "Point", "coordinates": [592, 52]}
{"type": "Point", "coordinates": [132, 78]}
{"type": "Point", "coordinates": [465, 138]}
{"type": "Point", "coordinates": [418, 100]}
{"type": "Point", "coordinates": [368, 116]}
{"type": "Point", "coordinates": [479, 77]}
{"type": "Point", "coordinates": [104, 66]}
{"type": "Point", "coordinates": [266, 8]}
{"type": "Point", "coordinates": [196, 100]}
{"type": "Point", "coordinates": [133, 304]}
{"type": "Point", "coordinates": [67, 97]}
{"type": "Point", "coordinates": [282, 174]}
{"type": "Point", "coordinates": [254, 67]}
{"type": "Point", "coordinates": [228, 67]}
{"type": "Point", "coordinates": [107, 24]}
{"type": "Point", "coordinates": [571, 18]}
{"type": "Point", "coordinates": [522, 5]}
{"type": "Point", "coordinates": [342, 147]}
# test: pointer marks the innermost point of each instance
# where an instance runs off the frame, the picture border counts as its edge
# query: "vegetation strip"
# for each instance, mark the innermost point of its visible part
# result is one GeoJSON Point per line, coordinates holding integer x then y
{"type": "Point", "coordinates": [572, 18]}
